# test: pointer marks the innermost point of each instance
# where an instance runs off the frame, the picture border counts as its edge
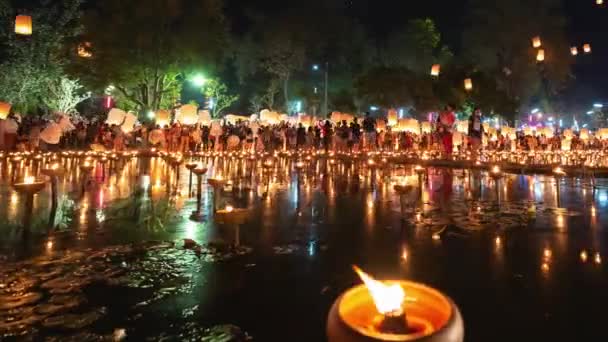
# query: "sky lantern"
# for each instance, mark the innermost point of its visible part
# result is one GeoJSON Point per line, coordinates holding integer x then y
{"type": "Point", "coordinates": [84, 50]}
{"type": "Point", "coordinates": [574, 51]}
{"type": "Point", "coordinates": [540, 56]}
{"type": "Point", "coordinates": [599, 2]}
{"type": "Point", "coordinates": [187, 114]}
{"type": "Point", "coordinates": [435, 69]}
{"type": "Point", "coordinates": [23, 25]}
{"type": "Point", "coordinates": [587, 48]}
{"type": "Point", "coordinates": [468, 84]}
{"type": "Point", "coordinates": [162, 117]}
{"type": "Point", "coordinates": [5, 109]}
{"type": "Point", "coordinates": [536, 42]}
{"type": "Point", "coordinates": [392, 117]}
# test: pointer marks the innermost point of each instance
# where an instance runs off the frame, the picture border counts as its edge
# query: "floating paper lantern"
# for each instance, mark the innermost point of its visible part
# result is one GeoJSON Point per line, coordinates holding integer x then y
{"type": "Point", "coordinates": [584, 134]}
{"type": "Point", "coordinates": [349, 118]}
{"type": "Point", "coordinates": [5, 109]}
{"type": "Point", "coordinates": [566, 144]}
{"type": "Point", "coordinates": [129, 124]}
{"type": "Point", "coordinates": [233, 119]}
{"type": "Point", "coordinates": [568, 134]}
{"type": "Point", "coordinates": [204, 117]}
{"type": "Point", "coordinates": [23, 25]}
{"type": "Point", "coordinates": [602, 133]}
{"type": "Point", "coordinates": [163, 118]}
{"type": "Point", "coordinates": [462, 126]}
{"type": "Point", "coordinates": [587, 48]}
{"type": "Point", "coordinates": [84, 50]}
{"type": "Point", "coordinates": [599, 2]}
{"type": "Point", "coordinates": [540, 56]}
{"type": "Point", "coordinates": [392, 117]}
{"type": "Point", "coordinates": [468, 84]}
{"type": "Point", "coordinates": [51, 134]}
{"type": "Point", "coordinates": [253, 118]}
{"type": "Point", "coordinates": [380, 125]}
{"type": "Point", "coordinates": [187, 115]}
{"type": "Point", "coordinates": [305, 120]}
{"type": "Point", "coordinates": [536, 42]}
{"type": "Point", "coordinates": [546, 131]}
{"type": "Point", "coordinates": [336, 117]}
{"type": "Point", "coordinates": [115, 116]}
{"type": "Point", "coordinates": [425, 127]}
{"type": "Point", "coordinates": [435, 70]}
{"type": "Point", "coordinates": [574, 51]}
{"type": "Point", "coordinates": [509, 132]}
{"type": "Point", "coordinates": [528, 131]}
{"type": "Point", "coordinates": [408, 125]}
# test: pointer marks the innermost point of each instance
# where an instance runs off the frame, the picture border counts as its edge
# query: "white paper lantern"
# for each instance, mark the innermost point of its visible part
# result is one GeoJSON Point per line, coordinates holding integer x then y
{"type": "Point", "coordinates": [187, 115]}
{"type": "Point", "coordinates": [129, 124]}
{"type": "Point", "coordinates": [115, 116]}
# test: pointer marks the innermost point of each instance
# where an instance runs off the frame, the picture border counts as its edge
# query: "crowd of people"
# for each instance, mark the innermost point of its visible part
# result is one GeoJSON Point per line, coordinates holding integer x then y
{"type": "Point", "coordinates": [360, 134]}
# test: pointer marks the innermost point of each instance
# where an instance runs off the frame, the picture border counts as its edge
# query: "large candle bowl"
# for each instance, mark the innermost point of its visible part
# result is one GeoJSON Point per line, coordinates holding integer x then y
{"type": "Point", "coordinates": [234, 217]}
{"type": "Point", "coordinates": [190, 166]}
{"type": "Point", "coordinates": [430, 315]}
{"type": "Point", "coordinates": [28, 189]}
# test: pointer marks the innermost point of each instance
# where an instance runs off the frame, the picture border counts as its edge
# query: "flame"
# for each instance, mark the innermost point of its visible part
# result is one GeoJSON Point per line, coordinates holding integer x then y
{"type": "Point", "coordinates": [387, 298]}
{"type": "Point", "coordinates": [229, 208]}
{"type": "Point", "coordinates": [495, 169]}
{"type": "Point", "coordinates": [29, 179]}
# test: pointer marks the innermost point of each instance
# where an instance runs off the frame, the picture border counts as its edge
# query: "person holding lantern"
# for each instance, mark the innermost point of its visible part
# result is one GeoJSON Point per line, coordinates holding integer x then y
{"type": "Point", "coordinates": [445, 124]}
{"type": "Point", "coordinates": [475, 132]}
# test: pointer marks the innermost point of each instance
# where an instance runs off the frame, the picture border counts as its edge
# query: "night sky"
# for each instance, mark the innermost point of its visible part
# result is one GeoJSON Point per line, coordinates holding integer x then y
{"type": "Point", "coordinates": [380, 17]}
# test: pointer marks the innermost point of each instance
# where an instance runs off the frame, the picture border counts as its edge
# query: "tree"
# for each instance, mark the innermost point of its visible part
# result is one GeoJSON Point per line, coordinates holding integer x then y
{"type": "Point", "coordinates": [216, 90]}
{"type": "Point", "coordinates": [30, 64]}
{"type": "Point", "coordinates": [147, 48]}
{"type": "Point", "coordinates": [416, 47]}
{"type": "Point", "coordinates": [283, 57]}
{"type": "Point", "coordinates": [65, 94]}
{"type": "Point", "coordinates": [499, 43]}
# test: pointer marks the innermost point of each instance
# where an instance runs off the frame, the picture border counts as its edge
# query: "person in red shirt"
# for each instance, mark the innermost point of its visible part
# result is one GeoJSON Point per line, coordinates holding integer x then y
{"type": "Point", "coordinates": [445, 125]}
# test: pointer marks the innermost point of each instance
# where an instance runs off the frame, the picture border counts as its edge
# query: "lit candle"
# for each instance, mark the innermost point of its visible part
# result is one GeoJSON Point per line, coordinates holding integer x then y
{"type": "Point", "coordinates": [393, 311]}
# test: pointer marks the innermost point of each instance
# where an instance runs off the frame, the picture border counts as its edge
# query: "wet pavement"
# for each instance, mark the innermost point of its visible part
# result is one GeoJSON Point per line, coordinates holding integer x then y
{"type": "Point", "coordinates": [521, 259]}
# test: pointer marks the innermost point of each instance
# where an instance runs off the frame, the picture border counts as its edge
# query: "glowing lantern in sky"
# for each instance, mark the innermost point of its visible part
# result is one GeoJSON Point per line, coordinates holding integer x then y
{"type": "Point", "coordinates": [5, 109]}
{"type": "Point", "coordinates": [599, 2]}
{"type": "Point", "coordinates": [587, 48]}
{"type": "Point", "coordinates": [188, 114]}
{"type": "Point", "coordinates": [540, 56]}
{"type": "Point", "coordinates": [23, 25]}
{"type": "Point", "coordinates": [536, 42]}
{"type": "Point", "coordinates": [574, 51]}
{"type": "Point", "coordinates": [204, 117]}
{"type": "Point", "coordinates": [162, 117]}
{"type": "Point", "coordinates": [435, 69]}
{"type": "Point", "coordinates": [468, 84]}
{"type": "Point", "coordinates": [84, 50]}
{"type": "Point", "coordinates": [392, 117]}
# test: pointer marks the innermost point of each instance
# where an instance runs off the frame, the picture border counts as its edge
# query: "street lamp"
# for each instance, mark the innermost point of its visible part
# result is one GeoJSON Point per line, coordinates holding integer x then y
{"type": "Point", "coordinates": [198, 80]}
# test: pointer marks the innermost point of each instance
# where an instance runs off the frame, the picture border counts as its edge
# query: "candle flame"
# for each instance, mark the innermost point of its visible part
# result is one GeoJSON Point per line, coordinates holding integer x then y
{"type": "Point", "coordinates": [29, 179]}
{"type": "Point", "coordinates": [495, 169]}
{"type": "Point", "coordinates": [387, 298]}
{"type": "Point", "coordinates": [229, 208]}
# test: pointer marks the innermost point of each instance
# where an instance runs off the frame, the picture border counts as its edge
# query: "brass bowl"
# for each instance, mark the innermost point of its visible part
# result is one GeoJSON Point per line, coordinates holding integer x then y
{"type": "Point", "coordinates": [199, 172]}
{"type": "Point", "coordinates": [87, 168]}
{"type": "Point", "coordinates": [403, 189]}
{"type": "Point", "coordinates": [432, 316]}
{"type": "Point", "coordinates": [29, 188]}
{"type": "Point", "coordinates": [214, 182]}
{"type": "Point", "coordinates": [53, 172]}
{"type": "Point", "coordinates": [235, 216]}
{"type": "Point", "coordinates": [191, 166]}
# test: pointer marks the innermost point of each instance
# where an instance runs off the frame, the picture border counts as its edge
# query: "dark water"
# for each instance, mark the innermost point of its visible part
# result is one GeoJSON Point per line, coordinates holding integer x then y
{"type": "Point", "coordinates": [520, 261]}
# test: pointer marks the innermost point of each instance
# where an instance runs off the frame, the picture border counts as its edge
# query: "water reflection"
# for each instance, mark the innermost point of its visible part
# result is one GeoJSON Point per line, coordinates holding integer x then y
{"type": "Point", "coordinates": [339, 211]}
